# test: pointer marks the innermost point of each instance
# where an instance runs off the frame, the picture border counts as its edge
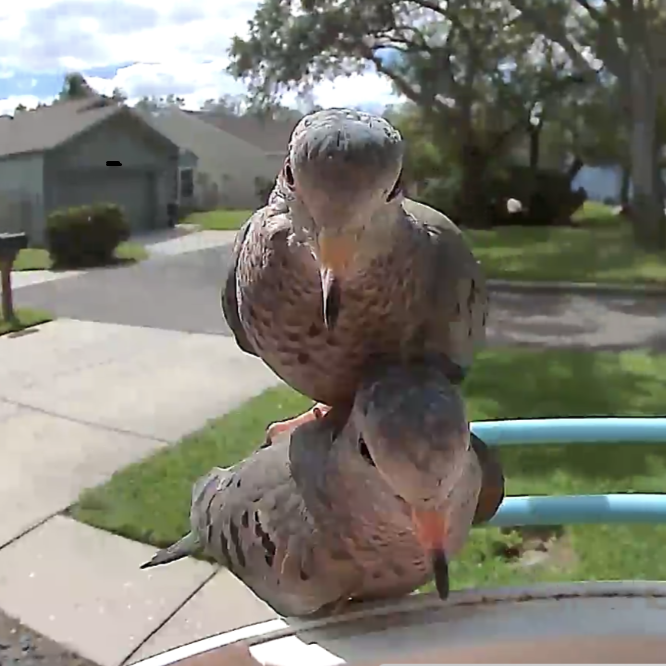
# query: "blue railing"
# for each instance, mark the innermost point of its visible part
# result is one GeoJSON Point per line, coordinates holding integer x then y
{"type": "Point", "coordinates": [570, 509]}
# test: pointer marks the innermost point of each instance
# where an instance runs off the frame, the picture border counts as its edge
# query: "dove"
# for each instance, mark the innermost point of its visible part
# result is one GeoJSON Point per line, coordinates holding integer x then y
{"type": "Point", "coordinates": [363, 503]}
{"type": "Point", "coordinates": [340, 268]}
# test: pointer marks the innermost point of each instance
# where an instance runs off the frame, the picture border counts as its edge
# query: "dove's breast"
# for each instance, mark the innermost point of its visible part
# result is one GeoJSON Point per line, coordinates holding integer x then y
{"type": "Point", "coordinates": [394, 308]}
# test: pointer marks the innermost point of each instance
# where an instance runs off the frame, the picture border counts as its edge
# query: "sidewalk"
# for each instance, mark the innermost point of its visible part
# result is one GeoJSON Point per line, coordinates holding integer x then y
{"type": "Point", "coordinates": [78, 401]}
{"type": "Point", "coordinates": [158, 244]}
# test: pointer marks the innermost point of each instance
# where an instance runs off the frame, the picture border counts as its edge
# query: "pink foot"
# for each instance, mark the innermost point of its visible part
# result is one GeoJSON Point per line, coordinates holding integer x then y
{"type": "Point", "coordinates": [318, 411]}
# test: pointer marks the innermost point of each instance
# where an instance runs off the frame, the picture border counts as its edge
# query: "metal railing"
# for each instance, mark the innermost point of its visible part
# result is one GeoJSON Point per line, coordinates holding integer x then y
{"type": "Point", "coordinates": [571, 509]}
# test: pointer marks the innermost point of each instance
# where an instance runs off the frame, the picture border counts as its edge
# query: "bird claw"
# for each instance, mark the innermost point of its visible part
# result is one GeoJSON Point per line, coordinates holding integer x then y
{"type": "Point", "coordinates": [318, 411]}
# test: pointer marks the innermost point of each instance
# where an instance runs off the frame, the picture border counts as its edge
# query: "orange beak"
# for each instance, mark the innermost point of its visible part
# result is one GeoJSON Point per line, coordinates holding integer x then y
{"type": "Point", "coordinates": [335, 254]}
{"type": "Point", "coordinates": [431, 531]}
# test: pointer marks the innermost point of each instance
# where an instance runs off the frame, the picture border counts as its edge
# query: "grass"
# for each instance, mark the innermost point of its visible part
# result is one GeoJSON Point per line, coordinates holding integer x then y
{"type": "Point", "coordinates": [601, 254]}
{"type": "Point", "coordinates": [219, 220]}
{"type": "Point", "coordinates": [38, 259]}
{"type": "Point", "coordinates": [600, 250]}
{"type": "Point", "coordinates": [149, 501]}
{"type": "Point", "coordinates": [25, 319]}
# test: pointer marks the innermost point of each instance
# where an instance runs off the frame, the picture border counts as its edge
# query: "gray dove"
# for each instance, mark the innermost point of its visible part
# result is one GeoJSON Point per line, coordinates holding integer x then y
{"type": "Point", "coordinates": [364, 503]}
{"type": "Point", "coordinates": [340, 268]}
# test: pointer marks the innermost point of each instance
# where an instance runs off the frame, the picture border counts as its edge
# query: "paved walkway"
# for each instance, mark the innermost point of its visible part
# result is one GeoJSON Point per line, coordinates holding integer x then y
{"type": "Point", "coordinates": [79, 400]}
{"type": "Point", "coordinates": [577, 321]}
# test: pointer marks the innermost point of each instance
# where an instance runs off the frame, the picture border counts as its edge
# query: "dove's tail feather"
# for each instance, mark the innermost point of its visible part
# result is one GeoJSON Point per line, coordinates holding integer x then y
{"type": "Point", "coordinates": [186, 546]}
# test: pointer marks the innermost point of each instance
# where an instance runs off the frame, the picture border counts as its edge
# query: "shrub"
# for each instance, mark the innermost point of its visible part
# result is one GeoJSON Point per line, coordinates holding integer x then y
{"type": "Point", "coordinates": [545, 194]}
{"type": "Point", "coordinates": [86, 235]}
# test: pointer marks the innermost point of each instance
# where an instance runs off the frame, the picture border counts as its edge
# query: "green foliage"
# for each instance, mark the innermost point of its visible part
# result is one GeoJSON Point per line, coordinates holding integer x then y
{"type": "Point", "coordinates": [86, 235]}
{"type": "Point", "coordinates": [473, 74]}
{"type": "Point", "coordinates": [74, 87]}
{"type": "Point", "coordinates": [545, 195]}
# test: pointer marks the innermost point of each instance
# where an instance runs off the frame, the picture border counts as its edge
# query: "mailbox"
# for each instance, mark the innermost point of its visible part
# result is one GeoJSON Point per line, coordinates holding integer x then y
{"type": "Point", "coordinates": [11, 245]}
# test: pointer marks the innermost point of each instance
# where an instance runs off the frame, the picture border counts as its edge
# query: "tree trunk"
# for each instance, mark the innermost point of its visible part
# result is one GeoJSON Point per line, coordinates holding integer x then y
{"type": "Point", "coordinates": [472, 208]}
{"type": "Point", "coordinates": [647, 206]}
{"type": "Point", "coordinates": [534, 133]}
{"type": "Point", "coordinates": [535, 136]}
{"type": "Point", "coordinates": [574, 168]}
{"type": "Point", "coordinates": [624, 186]}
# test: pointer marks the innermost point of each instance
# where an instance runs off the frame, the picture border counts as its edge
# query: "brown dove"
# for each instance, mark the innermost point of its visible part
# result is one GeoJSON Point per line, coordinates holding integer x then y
{"type": "Point", "coordinates": [340, 268]}
{"type": "Point", "coordinates": [364, 503]}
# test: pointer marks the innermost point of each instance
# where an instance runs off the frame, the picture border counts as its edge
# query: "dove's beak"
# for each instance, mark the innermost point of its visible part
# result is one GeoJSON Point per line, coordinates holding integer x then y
{"type": "Point", "coordinates": [431, 530]}
{"type": "Point", "coordinates": [334, 254]}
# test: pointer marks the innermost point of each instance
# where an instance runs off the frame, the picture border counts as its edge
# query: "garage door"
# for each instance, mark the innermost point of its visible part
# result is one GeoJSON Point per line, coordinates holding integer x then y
{"type": "Point", "coordinates": [133, 190]}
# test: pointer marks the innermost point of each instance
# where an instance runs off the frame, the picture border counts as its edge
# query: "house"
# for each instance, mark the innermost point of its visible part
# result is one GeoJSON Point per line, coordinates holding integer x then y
{"type": "Point", "coordinates": [270, 136]}
{"type": "Point", "coordinates": [234, 162]}
{"type": "Point", "coordinates": [57, 156]}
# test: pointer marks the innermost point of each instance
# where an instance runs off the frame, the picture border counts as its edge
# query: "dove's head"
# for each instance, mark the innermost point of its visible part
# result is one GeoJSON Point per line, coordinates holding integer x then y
{"type": "Point", "coordinates": [342, 182]}
{"type": "Point", "coordinates": [410, 423]}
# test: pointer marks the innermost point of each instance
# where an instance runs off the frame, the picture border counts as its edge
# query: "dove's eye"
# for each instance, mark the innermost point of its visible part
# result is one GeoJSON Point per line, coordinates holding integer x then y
{"type": "Point", "coordinates": [288, 174]}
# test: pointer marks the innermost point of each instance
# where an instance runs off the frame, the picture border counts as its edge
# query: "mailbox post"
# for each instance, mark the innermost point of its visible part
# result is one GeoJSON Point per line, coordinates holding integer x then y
{"type": "Point", "coordinates": [10, 246]}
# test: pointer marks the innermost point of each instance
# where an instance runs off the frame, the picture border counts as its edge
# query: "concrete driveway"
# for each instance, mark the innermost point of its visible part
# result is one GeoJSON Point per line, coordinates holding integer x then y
{"type": "Point", "coordinates": [179, 292]}
{"type": "Point", "coordinates": [79, 400]}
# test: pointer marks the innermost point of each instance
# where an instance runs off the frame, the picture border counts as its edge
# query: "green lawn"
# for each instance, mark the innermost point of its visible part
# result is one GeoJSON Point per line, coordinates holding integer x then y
{"type": "Point", "coordinates": [595, 213]}
{"type": "Point", "coordinates": [36, 259]}
{"type": "Point", "coordinates": [26, 319]}
{"type": "Point", "coordinates": [601, 253]}
{"type": "Point", "coordinates": [219, 220]}
{"type": "Point", "coordinates": [600, 250]}
{"type": "Point", "coordinates": [149, 501]}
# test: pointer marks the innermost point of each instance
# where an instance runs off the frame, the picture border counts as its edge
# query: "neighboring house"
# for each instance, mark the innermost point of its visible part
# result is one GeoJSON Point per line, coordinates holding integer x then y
{"type": "Point", "coordinates": [271, 137]}
{"type": "Point", "coordinates": [218, 168]}
{"type": "Point", "coordinates": [56, 156]}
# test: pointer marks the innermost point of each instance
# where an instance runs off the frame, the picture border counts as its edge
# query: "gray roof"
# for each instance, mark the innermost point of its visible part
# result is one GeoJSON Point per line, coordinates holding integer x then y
{"type": "Point", "coordinates": [47, 127]}
{"type": "Point", "coordinates": [272, 136]}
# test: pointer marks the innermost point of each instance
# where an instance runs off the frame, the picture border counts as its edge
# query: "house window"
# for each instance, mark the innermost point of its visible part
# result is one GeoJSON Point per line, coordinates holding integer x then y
{"type": "Point", "coordinates": [186, 183]}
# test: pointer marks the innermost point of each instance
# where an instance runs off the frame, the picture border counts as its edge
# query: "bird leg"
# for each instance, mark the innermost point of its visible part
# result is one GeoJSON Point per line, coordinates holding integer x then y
{"type": "Point", "coordinates": [317, 411]}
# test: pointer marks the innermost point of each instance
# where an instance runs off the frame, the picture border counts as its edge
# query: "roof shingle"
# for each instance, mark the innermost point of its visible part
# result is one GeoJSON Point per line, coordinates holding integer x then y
{"type": "Point", "coordinates": [47, 127]}
{"type": "Point", "coordinates": [272, 136]}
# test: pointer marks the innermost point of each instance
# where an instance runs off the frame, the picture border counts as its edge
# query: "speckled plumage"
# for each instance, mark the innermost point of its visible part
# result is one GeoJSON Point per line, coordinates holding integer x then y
{"type": "Point", "coordinates": [419, 291]}
{"type": "Point", "coordinates": [426, 295]}
{"type": "Point", "coordinates": [311, 521]}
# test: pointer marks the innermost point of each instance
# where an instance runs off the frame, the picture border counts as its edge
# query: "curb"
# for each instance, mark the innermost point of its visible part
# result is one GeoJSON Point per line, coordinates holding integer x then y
{"type": "Point", "coordinates": [582, 288]}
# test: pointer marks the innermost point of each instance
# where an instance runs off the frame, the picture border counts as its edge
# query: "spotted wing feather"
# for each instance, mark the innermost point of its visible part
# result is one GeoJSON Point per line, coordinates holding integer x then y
{"type": "Point", "coordinates": [229, 291]}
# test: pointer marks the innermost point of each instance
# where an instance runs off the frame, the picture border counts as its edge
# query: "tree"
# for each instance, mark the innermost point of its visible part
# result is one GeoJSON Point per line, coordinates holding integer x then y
{"type": "Point", "coordinates": [231, 104]}
{"type": "Point", "coordinates": [472, 70]}
{"type": "Point", "coordinates": [118, 95]}
{"type": "Point", "coordinates": [629, 38]}
{"type": "Point", "coordinates": [154, 103]}
{"type": "Point", "coordinates": [74, 87]}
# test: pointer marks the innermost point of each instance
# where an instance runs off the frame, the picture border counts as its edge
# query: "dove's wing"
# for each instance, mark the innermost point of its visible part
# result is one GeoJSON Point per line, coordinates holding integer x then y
{"type": "Point", "coordinates": [492, 482]}
{"type": "Point", "coordinates": [229, 290]}
{"type": "Point", "coordinates": [454, 298]}
{"type": "Point", "coordinates": [256, 523]}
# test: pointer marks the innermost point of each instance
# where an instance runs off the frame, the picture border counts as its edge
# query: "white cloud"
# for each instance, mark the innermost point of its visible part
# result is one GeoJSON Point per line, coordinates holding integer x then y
{"type": "Point", "coordinates": [186, 77]}
{"type": "Point", "coordinates": [359, 89]}
{"type": "Point", "coordinates": [176, 46]}
{"type": "Point", "coordinates": [9, 104]}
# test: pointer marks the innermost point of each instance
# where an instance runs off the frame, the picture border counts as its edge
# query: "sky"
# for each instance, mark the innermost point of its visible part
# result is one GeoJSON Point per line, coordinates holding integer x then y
{"type": "Point", "coordinates": [145, 47]}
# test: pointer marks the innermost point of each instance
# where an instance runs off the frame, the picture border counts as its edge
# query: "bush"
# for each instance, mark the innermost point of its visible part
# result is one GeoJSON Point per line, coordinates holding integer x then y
{"type": "Point", "coordinates": [545, 195]}
{"type": "Point", "coordinates": [86, 235]}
